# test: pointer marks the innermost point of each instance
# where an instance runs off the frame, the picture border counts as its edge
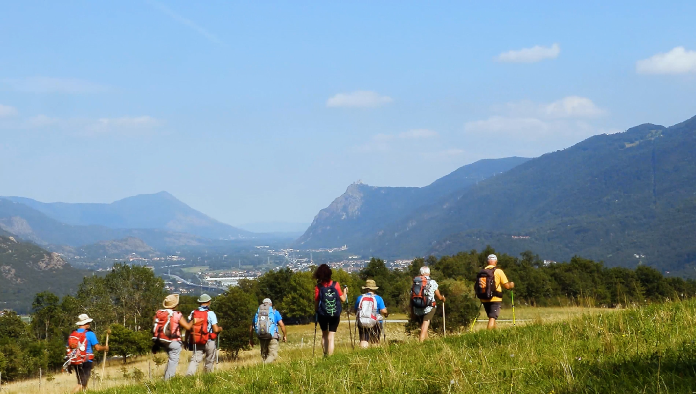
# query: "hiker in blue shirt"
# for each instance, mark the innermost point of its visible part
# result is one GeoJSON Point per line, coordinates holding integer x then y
{"type": "Point", "coordinates": [369, 315]}
{"type": "Point", "coordinates": [204, 331]}
{"type": "Point", "coordinates": [84, 370]}
{"type": "Point", "coordinates": [266, 322]}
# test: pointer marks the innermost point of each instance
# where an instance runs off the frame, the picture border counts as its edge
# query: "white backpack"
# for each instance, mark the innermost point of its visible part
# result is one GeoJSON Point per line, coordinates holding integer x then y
{"type": "Point", "coordinates": [367, 311]}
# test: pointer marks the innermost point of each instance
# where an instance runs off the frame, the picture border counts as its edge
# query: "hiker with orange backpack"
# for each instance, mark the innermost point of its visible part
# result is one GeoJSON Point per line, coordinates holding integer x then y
{"type": "Point", "coordinates": [266, 323]}
{"type": "Point", "coordinates": [80, 351]}
{"type": "Point", "coordinates": [489, 289]}
{"type": "Point", "coordinates": [202, 335]}
{"type": "Point", "coordinates": [423, 294]}
{"type": "Point", "coordinates": [370, 312]}
{"type": "Point", "coordinates": [167, 332]}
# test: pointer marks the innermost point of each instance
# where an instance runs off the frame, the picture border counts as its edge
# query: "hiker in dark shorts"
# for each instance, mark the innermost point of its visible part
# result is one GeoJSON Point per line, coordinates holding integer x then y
{"type": "Point", "coordinates": [328, 299]}
{"type": "Point", "coordinates": [424, 315]}
{"type": "Point", "coordinates": [84, 370]}
{"type": "Point", "coordinates": [492, 305]}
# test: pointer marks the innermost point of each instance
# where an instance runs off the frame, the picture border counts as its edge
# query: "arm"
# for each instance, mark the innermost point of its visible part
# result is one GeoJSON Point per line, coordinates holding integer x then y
{"type": "Point", "coordinates": [187, 325]}
{"type": "Point", "coordinates": [285, 333]}
{"type": "Point", "coordinates": [100, 348]}
{"type": "Point", "coordinates": [384, 312]}
{"type": "Point", "coordinates": [217, 329]}
{"type": "Point", "coordinates": [439, 296]}
{"type": "Point", "coordinates": [344, 296]}
{"type": "Point", "coordinates": [509, 285]}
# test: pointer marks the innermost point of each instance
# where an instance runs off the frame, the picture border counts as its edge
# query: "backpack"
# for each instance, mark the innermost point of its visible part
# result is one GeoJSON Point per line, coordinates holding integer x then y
{"type": "Point", "coordinates": [165, 329]}
{"type": "Point", "coordinates": [418, 297]}
{"type": "Point", "coordinates": [367, 311]}
{"type": "Point", "coordinates": [76, 351]}
{"type": "Point", "coordinates": [329, 302]}
{"type": "Point", "coordinates": [265, 322]}
{"type": "Point", "coordinates": [199, 334]}
{"type": "Point", "coordinates": [485, 284]}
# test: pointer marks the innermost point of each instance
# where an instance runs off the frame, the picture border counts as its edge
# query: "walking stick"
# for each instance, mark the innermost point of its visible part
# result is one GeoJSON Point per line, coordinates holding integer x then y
{"type": "Point", "coordinates": [512, 297]}
{"type": "Point", "coordinates": [105, 353]}
{"type": "Point", "coordinates": [444, 331]}
{"type": "Point", "coordinates": [217, 354]}
{"type": "Point", "coordinates": [476, 318]}
{"type": "Point", "coordinates": [316, 319]}
{"type": "Point", "coordinates": [350, 330]}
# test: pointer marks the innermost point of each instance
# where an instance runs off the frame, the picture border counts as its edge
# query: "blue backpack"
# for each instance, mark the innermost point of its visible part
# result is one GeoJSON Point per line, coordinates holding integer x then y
{"type": "Point", "coordinates": [329, 301]}
{"type": "Point", "coordinates": [266, 326]}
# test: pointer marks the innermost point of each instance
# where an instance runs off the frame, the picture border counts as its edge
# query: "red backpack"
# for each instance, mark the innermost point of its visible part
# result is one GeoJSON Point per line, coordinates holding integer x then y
{"type": "Point", "coordinates": [166, 329]}
{"type": "Point", "coordinates": [76, 351]}
{"type": "Point", "coordinates": [199, 332]}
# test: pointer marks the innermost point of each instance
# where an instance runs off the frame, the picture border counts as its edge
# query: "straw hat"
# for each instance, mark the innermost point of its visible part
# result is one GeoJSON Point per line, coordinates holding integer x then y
{"type": "Point", "coordinates": [83, 319]}
{"type": "Point", "coordinates": [370, 284]}
{"type": "Point", "coordinates": [171, 301]}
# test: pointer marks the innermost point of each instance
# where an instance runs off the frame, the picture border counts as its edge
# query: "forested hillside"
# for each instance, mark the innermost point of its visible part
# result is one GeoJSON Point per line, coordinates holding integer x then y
{"type": "Point", "coordinates": [627, 199]}
{"type": "Point", "coordinates": [363, 211]}
{"type": "Point", "coordinates": [26, 269]}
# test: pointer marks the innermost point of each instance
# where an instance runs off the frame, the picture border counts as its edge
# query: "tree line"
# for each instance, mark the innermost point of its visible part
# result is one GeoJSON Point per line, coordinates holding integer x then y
{"type": "Point", "coordinates": [126, 298]}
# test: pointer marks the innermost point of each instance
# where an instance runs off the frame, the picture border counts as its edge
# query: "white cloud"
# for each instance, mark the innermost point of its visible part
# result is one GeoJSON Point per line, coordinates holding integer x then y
{"type": "Point", "coordinates": [136, 125]}
{"type": "Point", "coordinates": [54, 85]}
{"type": "Point", "coordinates": [186, 22]}
{"type": "Point", "coordinates": [418, 134]}
{"type": "Point", "coordinates": [573, 107]}
{"type": "Point", "coordinates": [501, 124]}
{"type": "Point", "coordinates": [360, 98]}
{"type": "Point", "coordinates": [530, 55]}
{"type": "Point", "coordinates": [6, 111]}
{"type": "Point", "coordinates": [676, 61]}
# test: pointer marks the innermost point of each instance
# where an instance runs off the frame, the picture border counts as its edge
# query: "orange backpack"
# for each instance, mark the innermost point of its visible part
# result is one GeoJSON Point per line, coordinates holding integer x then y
{"type": "Point", "coordinates": [166, 329]}
{"type": "Point", "coordinates": [199, 332]}
{"type": "Point", "coordinates": [76, 351]}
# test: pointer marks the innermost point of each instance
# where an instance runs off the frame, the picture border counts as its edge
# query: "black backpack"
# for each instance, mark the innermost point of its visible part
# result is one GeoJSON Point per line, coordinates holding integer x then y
{"type": "Point", "coordinates": [329, 301]}
{"type": "Point", "coordinates": [485, 284]}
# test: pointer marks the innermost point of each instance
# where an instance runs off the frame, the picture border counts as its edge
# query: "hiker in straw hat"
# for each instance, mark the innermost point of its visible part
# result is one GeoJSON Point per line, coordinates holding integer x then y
{"type": "Point", "coordinates": [370, 312]}
{"type": "Point", "coordinates": [167, 335]}
{"type": "Point", "coordinates": [83, 334]}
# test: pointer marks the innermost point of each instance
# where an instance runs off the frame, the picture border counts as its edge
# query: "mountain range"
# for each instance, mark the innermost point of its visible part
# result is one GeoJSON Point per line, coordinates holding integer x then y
{"type": "Point", "coordinates": [626, 199]}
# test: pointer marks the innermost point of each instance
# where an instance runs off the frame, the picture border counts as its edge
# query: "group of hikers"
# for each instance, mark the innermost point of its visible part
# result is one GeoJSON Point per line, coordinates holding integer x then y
{"type": "Point", "coordinates": [203, 328]}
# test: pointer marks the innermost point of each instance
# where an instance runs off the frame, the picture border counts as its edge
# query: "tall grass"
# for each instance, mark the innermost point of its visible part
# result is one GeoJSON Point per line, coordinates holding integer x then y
{"type": "Point", "coordinates": [644, 350]}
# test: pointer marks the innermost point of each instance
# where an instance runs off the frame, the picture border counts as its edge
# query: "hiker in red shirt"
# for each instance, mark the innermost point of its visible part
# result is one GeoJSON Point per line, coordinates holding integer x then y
{"type": "Point", "coordinates": [328, 299]}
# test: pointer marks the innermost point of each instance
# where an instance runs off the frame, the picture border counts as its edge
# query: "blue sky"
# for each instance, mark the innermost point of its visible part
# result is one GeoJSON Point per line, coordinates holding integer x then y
{"type": "Point", "coordinates": [267, 111]}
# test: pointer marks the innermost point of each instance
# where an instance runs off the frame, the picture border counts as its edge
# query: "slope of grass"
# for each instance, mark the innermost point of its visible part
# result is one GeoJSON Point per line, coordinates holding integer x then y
{"type": "Point", "coordinates": [646, 350]}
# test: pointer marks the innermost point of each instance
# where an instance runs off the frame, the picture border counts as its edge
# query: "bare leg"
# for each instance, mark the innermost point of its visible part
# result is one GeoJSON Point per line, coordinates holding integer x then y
{"type": "Point", "coordinates": [491, 324]}
{"type": "Point", "coordinates": [331, 342]}
{"type": "Point", "coordinates": [424, 330]}
{"type": "Point", "coordinates": [364, 344]}
{"type": "Point", "coordinates": [325, 342]}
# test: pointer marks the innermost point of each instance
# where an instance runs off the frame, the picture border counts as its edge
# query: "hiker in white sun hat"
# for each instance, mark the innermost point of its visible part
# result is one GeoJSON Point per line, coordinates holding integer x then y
{"type": "Point", "coordinates": [82, 344]}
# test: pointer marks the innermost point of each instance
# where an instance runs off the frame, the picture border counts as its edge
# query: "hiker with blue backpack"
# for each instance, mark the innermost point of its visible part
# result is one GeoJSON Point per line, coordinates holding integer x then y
{"type": "Point", "coordinates": [423, 293]}
{"type": "Point", "coordinates": [80, 352]}
{"type": "Point", "coordinates": [489, 289]}
{"type": "Point", "coordinates": [202, 336]}
{"type": "Point", "coordinates": [266, 323]}
{"type": "Point", "coordinates": [370, 312]}
{"type": "Point", "coordinates": [328, 299]}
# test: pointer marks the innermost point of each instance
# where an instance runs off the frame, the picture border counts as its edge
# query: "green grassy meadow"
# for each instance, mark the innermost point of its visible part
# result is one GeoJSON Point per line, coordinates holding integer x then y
{"type": "Point", "coordinates": [642, 350]}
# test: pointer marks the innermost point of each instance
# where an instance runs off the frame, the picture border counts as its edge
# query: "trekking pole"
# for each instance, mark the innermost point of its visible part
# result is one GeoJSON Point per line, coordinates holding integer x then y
{"type": "Point", "coordinates": [217, 353]}
{"type": "Point", "coordinates": [350, 330]}
{"type": "Point", "coordinates": [316, 319]}
{"type": "Point", "coordinates": [444, 331]}
{"type": "Point", "coordinates": [476, 318]}
{"type": "Point", "coordinates": [512, 297]}
{"type": "Point", "coordinates": [105, 353]}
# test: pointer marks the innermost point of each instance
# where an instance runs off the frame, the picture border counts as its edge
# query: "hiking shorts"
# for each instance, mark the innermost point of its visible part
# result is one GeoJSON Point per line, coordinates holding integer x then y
{"type": "Point", "coordinates": [492, 309]}
{"type": "Point", "coordinates": [370, 334]}
{"type": "Point", "coordinates": [427, 317]}
{"type": "Point", "coordinates": [83, 372]}
{"type": "Point", "coordinates": [329, 323]}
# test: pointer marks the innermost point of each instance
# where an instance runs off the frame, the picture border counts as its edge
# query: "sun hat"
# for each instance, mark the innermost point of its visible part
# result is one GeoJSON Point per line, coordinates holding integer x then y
{"type": "Point", "coordinates": [370, 284]}
{"type": "Point", "coordinates": [203, 298]}
{"type": "Point", "coordinates": [267, 301]}
{"type": "Point", "coordinates": [492, 257]}
{"type": "Point", "coordinates": [171, 301]}
{"type": "Point", "coordinates": [83, 319]}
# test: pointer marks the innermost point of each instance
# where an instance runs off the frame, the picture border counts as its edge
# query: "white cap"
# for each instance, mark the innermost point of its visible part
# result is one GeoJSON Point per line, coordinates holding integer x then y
{"type": "Point", "coordinates": [492, 257]}
{"type": "Point", "coordinates": [267, 301]}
